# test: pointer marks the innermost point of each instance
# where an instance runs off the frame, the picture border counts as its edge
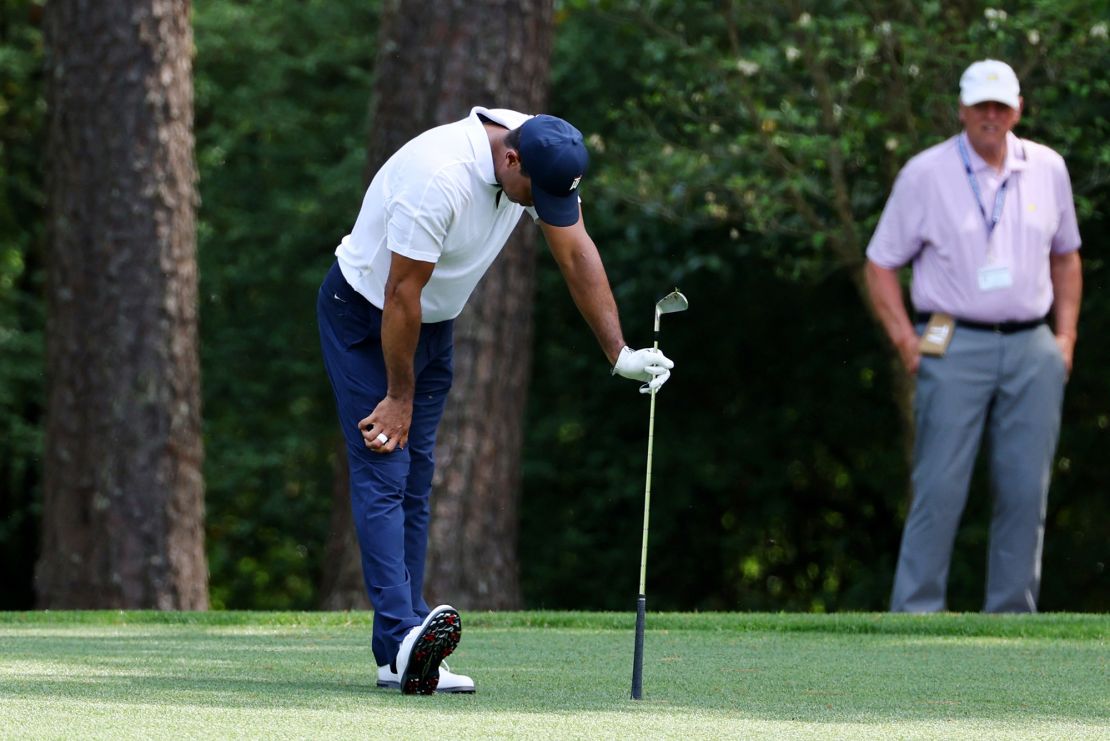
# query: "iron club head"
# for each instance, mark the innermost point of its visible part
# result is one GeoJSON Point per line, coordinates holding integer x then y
{"type": "Point", "coordinates": [669, 304]}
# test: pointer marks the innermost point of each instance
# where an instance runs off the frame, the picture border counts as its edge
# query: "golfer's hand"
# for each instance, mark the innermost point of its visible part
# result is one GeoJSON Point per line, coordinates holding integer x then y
{"type": "Point", "coordinates": [649, 366]}
{"type": "Point", "coordinates": [391, 418]}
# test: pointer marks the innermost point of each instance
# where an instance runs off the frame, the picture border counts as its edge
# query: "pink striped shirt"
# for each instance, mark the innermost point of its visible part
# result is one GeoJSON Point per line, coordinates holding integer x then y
{"type": "Point", "coordinates": [932, 219]}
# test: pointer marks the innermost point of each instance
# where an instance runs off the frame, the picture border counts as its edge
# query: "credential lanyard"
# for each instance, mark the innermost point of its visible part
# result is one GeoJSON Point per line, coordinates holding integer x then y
{"type": "Point", "coordinates": [999, 197]}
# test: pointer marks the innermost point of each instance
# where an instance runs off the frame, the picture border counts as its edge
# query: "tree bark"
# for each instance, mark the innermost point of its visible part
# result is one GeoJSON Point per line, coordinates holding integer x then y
{"type": "Point", "coordinates": [341, 584]}
{"type": "Point", "coordinates": [123, 509]}
{"type": "Point", "coordinates": [436, 60]}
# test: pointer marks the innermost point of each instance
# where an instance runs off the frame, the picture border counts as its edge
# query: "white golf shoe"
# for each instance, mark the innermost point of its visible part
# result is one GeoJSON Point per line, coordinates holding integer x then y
{"type": "Point", "coordinates": [424, 648]}
{"type": "Point", "coordinates": [448, 680]}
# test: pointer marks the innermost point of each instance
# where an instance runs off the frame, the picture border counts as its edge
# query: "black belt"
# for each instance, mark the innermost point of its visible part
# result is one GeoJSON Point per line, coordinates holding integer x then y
{"type": "Point", "coordinates": [1000, 327]}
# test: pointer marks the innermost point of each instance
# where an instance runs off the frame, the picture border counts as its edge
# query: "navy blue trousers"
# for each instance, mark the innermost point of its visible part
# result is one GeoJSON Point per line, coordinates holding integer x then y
{"type": "Point", "coordinates": [390, 492]}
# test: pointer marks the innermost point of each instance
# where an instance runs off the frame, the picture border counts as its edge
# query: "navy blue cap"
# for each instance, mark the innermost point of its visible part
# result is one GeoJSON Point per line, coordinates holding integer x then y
{"type": "Point", "coordinates": [555, 157]}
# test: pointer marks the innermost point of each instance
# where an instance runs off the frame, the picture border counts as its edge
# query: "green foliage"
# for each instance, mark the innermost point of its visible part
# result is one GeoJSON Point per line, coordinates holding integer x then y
{"type": "Point", "coordinates": [22, 350]}
{"type": "Point", "coordinates": [765, 118]}
{"type": "Point", "coordinates": [767, 467]}
{"type": "Point", "coordinates": [281, 101]}
{"type": "Point", "coordinates": [743, 151]}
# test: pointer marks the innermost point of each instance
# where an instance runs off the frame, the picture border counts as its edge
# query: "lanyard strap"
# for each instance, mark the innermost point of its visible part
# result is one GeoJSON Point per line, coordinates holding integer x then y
{"type": "Point", "coordinates": [999, 197]}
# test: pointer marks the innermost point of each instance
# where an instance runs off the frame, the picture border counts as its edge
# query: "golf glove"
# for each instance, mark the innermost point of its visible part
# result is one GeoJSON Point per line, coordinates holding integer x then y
{"type": "Point", "coordinates": [650, 366]}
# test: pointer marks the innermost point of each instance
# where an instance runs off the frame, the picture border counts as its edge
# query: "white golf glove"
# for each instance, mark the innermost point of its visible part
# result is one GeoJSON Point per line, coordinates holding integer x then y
{"type": "Point", "coordinates": [649, 366]}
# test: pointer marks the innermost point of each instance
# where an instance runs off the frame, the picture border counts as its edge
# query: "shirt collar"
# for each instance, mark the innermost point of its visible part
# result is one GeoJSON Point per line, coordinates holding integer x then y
{"type": "Point", "coordinates": [479, 142]}
{"type": "Point", "coordinates": [1015, 155]}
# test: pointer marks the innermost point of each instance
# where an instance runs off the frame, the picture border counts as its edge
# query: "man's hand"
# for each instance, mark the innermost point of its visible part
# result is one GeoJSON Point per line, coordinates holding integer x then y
{"type": "Point", "coordinates": [1066, 272]}
{"type": "Point", "coordinates": [649, 366]}
{"type": "Point", "coordinates": [387, 427]}
{"type": "Point", "coordinates": [909, 350]}
{"type": "Point", "coordinates": [391, 419]}
{"type": "Point", "coordinates": [1066, 343]}
{"type": "Point", "coordinates": [885, 293]}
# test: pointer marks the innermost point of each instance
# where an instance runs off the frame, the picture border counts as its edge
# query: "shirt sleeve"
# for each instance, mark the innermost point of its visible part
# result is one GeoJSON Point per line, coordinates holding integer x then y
{"type": "Point", "coordinates": [1066, 238]}
{"type": "Point", "coordinates": [897, 238]}
{"type": "Point", "coordinates": [418, 216]}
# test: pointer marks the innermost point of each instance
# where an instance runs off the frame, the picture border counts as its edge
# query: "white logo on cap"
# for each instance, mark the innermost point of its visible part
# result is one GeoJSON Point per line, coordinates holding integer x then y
{"type": "Point", "coordinates": [577, 180]}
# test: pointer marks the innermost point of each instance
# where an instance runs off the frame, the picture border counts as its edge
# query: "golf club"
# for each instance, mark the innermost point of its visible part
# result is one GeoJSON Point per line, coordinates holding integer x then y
{"type": "Point", "coordinates": [669, 304]}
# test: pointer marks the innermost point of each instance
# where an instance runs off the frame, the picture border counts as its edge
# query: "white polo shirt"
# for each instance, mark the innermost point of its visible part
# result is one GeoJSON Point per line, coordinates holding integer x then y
{"type": "Point", "coordinates": [435, 200]}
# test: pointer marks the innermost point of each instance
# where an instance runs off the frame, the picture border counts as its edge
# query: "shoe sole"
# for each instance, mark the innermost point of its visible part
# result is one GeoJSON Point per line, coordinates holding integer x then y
{"type": "Point", "coordinates": [385, 684]}
{"type": "Point", "coordinates": [436, 642]}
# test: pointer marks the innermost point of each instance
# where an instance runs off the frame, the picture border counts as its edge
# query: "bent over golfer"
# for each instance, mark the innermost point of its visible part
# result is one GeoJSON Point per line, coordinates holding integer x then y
{"type": "Point", "coordinates": [432, 221]}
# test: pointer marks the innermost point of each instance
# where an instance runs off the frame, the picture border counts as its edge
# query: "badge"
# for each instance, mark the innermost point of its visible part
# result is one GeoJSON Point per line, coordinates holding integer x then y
{"type": "Point", "coordinates": [937, 334]}
{"type": "Point", "coordinates": [995, 277]}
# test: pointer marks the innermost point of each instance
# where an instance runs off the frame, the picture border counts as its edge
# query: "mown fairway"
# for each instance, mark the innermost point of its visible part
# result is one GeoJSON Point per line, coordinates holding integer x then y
{"type": "Point", "coordinates": [559, 675]}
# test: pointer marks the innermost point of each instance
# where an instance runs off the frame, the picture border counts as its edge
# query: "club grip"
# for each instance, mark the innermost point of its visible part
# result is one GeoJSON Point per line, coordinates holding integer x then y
{"type": "Point", "coordinates": [638, 653]}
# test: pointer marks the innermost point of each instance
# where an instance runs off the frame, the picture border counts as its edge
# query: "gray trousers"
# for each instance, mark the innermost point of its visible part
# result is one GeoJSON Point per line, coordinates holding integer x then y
{"type": "Point", "coordinates": [1013, 386]}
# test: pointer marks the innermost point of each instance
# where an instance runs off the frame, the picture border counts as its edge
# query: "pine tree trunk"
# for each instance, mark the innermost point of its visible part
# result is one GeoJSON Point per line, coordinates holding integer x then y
{"type": "Point", "coordinates": [341, 584]}
{"type": "Point", "coordinates": [123, 510]}
{"type": "Point", "coordinates": [437, 59]}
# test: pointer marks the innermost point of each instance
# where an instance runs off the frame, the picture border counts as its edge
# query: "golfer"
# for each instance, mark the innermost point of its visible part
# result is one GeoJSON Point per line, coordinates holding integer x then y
{"type": "Point", "coordinates": [433, 220]}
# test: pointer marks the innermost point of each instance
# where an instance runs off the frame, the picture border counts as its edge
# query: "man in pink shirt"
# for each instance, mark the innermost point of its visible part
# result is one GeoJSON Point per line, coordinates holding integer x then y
{"type": "Point", "coordinates": [988, 223]}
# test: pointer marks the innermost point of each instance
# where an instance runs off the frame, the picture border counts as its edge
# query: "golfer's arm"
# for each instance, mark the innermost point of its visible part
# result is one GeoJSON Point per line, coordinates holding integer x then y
{"type": "Point", "coordinates": [1066, 272]}
{"type": "Point", "coordinates": [580, 263]}
{"type": "Point", "coordinates": [886, 296]}
{"type": "Point", "coordinates": [401, 317]}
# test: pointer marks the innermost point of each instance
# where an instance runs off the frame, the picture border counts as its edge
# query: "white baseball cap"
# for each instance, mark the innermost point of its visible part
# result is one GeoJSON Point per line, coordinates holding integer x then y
{"type": "Point", "coordinates": [990, 79]}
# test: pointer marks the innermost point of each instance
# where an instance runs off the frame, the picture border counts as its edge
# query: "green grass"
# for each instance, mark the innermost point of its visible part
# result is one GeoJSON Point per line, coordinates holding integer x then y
{"type": "Point", "coordinates": [555, 675]}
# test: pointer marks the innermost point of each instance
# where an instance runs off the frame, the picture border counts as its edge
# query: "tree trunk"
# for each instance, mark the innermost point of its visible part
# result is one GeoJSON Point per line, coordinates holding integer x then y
{"type": "Point", "coordinates": [341, 585]}
{"type": "Point", "coordinates": [437, 59]}
{"type": "Point", "coordinates": [123, 509]}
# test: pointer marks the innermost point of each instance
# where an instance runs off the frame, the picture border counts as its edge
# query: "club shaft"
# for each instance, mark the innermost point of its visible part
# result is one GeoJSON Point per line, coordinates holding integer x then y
{"type": "Point", "coordinates": [641, 602]}
{"type": "Point", "coordinates": [647, 487]}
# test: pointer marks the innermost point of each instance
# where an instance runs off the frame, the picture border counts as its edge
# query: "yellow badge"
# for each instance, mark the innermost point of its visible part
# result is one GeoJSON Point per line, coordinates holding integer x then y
{"type": "Point", "coordinates": [938, 333]}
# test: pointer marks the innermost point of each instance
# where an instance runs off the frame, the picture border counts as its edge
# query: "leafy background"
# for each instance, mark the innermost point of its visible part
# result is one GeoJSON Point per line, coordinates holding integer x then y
{"type": "Point", "coordinates": [742, 151]}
